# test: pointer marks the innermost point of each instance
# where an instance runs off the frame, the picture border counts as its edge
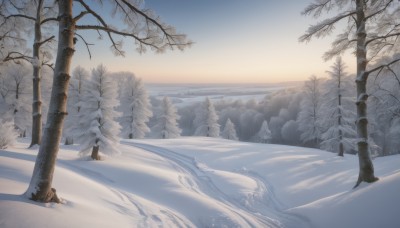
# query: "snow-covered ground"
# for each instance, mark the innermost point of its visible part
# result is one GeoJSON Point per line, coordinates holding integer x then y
{"type": "Point", "coordinates": [202, 182]}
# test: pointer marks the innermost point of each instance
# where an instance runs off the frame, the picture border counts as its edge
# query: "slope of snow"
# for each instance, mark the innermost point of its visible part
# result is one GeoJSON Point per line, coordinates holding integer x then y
{"type": "Point", "coordinates": [201, 182]}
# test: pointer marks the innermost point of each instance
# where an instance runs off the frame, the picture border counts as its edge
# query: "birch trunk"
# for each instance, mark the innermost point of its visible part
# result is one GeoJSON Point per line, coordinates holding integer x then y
{"type": "Point", "coordinates": [40, 185]}
{"type": "Point", "coordinates": [366, 172]}
{"type": "Point", "coordinates": [37, 97]}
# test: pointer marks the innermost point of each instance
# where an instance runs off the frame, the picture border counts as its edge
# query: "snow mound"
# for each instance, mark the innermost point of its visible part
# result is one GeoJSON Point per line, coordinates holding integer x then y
{"type": "Point", "coordinates": [370, 205]}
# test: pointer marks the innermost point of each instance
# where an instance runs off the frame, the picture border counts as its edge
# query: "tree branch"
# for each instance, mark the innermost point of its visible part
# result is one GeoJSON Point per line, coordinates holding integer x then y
{"type": "Point", "coordinates": [110, 30]}
{"type": "Point", "coordinates": [382, 37]}
{"type": "Point", "coordinates": [49, 19]}
{"type": "Point", "coordinates": [383, 66]}
{"type": "Point", "coordinates": [86, 43]}
{"type": "Point", "coordinates": [104, 26]}
{"type": "Point", "coordinates": [79, 16]}
{"type": "Point", "coordinates": [379, 11]}
{"type": "Point", "coordinates": [20, 16]}
{"type": "Point", "coordinates": [18, 56]}
{"type": "Point", "coordinates": [46, 40]}
{"type": "Point", "coordinates": [322, 29]}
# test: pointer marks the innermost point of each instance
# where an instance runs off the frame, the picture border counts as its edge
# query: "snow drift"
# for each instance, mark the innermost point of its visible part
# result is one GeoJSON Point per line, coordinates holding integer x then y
{"type": "Point", "coordinates": [201, 182]}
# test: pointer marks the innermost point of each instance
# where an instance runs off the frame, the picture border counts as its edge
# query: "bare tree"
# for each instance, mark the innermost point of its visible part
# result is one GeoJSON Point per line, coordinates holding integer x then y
{"type": "Point", "coordinates": [372, 31]}
{"type": "Point", "coordinates": [143, 26]}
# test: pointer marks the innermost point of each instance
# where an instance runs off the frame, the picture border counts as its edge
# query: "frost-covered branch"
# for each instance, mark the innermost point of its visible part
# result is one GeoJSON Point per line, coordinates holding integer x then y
{"type": "Point", "coordinates": [380, 67]}
{"type": "Point", "coordinates": [143, 26]}
{"type": "Point", "coordinates": [325, 27]}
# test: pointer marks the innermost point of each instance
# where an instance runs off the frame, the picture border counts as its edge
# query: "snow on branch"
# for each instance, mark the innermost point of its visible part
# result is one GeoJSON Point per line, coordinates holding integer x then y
{"type": "Point", "coordinates": [143, 26]}
{"type": "Point", "coordinates": [387, 65]}
{"type": "Point", "coordinates": [317, 8]}
{"type": "Point", "coordinates": [325, 27]}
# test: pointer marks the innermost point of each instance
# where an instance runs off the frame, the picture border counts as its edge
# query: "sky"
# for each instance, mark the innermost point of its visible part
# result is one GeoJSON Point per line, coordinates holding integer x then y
{"type": "Point", "coordinates": [235, 41]}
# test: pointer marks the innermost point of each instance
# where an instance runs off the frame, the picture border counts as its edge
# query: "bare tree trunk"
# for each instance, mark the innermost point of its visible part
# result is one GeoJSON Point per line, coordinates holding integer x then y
{"type": "Point", "coordinates": [341, 149]}
{"type": "Point", "coordinates": [37, 97]}
{"type": "Point", "coordinates": [366, 172]}
{"type": "Point", "coordinates": [95, 153]}
{"type": "Point", "coordinates": [40, 185]}
{"type": "Point", "coordinates": [69, 140]}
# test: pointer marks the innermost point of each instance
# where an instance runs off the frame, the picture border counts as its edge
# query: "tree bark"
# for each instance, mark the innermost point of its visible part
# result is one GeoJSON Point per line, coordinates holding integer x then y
{"type": "Point", "coordinates": [95, 153]}
{"type": "Point", "coordinates": [341, 149]}
{"type": "Point", "coordinates": [37, 97]}
{"type": "Point", "coordinates": [366, 172]}
{"type": "Point", "coordinates": [40, 185]}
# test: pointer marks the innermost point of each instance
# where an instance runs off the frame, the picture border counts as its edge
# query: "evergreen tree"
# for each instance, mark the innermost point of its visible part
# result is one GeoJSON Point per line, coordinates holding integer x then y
{"type": "Point", "coordinates": [136, 109]}
{"type": "Point", "coordinates": [264, 134]}
{"type": "Point", "coordinates": [97, 116]}
{"type": "Point", "coordinates": [206, 120]}
{"type": "Point", "coordinates": [229, 131]}
{"type": "Point", "coordinates": [339, 117]}
{"type": "Point", "coordinates": [75, 101]}
{"type": "Point", "coordinates": [167, 125]}
{"type": "Point", "coordinates": [310, 115]}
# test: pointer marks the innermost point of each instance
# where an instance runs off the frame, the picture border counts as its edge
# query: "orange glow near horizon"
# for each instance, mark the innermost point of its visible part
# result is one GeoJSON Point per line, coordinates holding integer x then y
{"type": "Point", "coordinates": [259, 47]}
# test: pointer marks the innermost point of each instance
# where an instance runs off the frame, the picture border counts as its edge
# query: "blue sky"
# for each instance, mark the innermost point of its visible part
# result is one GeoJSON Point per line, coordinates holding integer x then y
{"type": "Point", "coordinates": [236, 41]}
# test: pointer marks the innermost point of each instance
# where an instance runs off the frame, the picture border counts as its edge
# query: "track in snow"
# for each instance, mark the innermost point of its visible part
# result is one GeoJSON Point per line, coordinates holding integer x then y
{"type": "Point", "coordinates": [264, 210]}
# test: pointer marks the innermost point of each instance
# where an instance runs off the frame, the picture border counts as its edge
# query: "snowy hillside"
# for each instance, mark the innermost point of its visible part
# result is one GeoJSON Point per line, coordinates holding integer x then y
{"type": "Point", "coordinates": [202, 182]}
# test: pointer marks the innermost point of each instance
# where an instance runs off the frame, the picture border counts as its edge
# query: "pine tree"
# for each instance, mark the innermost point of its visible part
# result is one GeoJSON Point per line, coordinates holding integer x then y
{"type": "Point", "coordinates": [264, 134]}
{"type": "Point", "coordinates": [339, 117]}
{"type": "Point", "coordinates": [229, 131]}
{"type": "Point", "coordinates": [167, 125]}
{"type": "Point", "coordinates": [310, 115]}
{"type": "Point", "coordinates": [75, 101]}
{"type": "Point", "coordinates": [206, 120]}
{"type": "Point", "coordinates": [97, 116]}
{"type": "Point", "coordinates": [136, 109]}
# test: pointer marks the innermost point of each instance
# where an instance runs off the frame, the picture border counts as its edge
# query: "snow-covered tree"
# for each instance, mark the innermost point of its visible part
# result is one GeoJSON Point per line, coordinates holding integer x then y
{"type": "Point", "coordinates": [136, 109]}
{"type": "Point", "coordinates": [8, 134]}
{"type": "Point", "coordinates": [249, 121]}
{"type": "Point", "coordinates": [206, 120]}
{"type": "Point", "coordinates": [167, 125]}
{"type": "Point", "coordinates": [264, 135]}
{"type": "Point", "coordinates": [372, 32]}
{"type": "Point", "coordinates": [309, 118]}
{"type": "Point", "coordinates": [79, 77]}
{"type": "Point", "coordinates": [19, 96]}
{"type": "Point", "coordinates": [29, 17]}
{"type": "Point", "coordinates": [142, 26]}
{"type": "Point", "coordinates": [229, 131]}
{"type": "Point", "coordinates": [384, 111]}
{"type": "Point", "coordinates": [338, 119]}
{"type": "Point", "coordinates": [290, 132]}
{"type": "Point", "coordinates": [97, 116]}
